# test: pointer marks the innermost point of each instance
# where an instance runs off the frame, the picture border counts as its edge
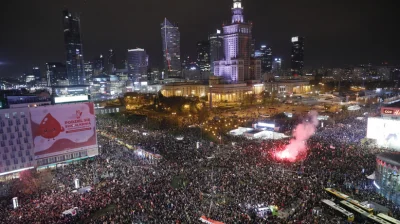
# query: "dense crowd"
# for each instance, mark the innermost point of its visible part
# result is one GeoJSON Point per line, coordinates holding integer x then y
{"type": "Point", "coordinates": [218, 181]}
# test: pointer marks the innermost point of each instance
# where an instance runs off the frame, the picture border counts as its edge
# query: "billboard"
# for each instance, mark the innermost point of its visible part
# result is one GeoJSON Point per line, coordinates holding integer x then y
{"type": "Point", "coordinates": [68, 99]}
{"type": "Point", "coordinates": [63, 129]}
{"type": "Point", "coordinates": [390, 111]}
{"type": "Point", "coordinates": [384, 131]}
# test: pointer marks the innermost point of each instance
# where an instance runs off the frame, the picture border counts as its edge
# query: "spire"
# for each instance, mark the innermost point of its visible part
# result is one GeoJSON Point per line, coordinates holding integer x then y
{"type": "Point", "coordinates": [237, 11]}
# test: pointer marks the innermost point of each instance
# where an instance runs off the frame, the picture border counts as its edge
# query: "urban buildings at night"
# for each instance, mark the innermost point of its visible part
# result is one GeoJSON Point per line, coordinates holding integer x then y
{"type": "Point", "coordinates": [203, 55]}
{"type": "Point", "coordinates": [89, 70]}
{"type": "Point", "coordinates": [73, 48]}
{"type": "Point", "coordinates": [36, 73]}
{"type": "Point", "coordinates": [55, 71]}
{"type": "Point", "coordinates": [276, 65]}
{"type": "Point", "coordinates": [216, 48]}
{"type": "Point", "coordinates": [171, 43]}
{"type": "Point", "coordinates": [137, 64]}
{"type": "Point", "coordinates": [98, 65]}
{"type": "Point", "coordinates": [237, 38]}
{"type": "Point", "coordinates": [111, 61]}
{"type": "Point", "coordinates": [297, 56]}
{"type": "Point", "coordinates": [265, 55]}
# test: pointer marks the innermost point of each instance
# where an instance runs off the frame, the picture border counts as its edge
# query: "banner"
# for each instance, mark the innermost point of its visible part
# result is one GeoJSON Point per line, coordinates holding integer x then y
{"type": "Point", "coordinates": [63, 129]}
{"type": "Point", "coordinates": [204, 219]}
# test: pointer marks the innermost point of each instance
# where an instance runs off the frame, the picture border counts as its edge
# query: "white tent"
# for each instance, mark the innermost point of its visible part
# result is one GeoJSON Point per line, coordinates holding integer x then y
{"type": "Point", "coordinates": [372, 176]}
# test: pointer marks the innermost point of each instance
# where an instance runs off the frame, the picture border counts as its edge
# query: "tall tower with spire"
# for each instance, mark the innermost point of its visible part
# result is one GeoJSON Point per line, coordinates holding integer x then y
{"type": "Point", "coordinates": [238, 66]}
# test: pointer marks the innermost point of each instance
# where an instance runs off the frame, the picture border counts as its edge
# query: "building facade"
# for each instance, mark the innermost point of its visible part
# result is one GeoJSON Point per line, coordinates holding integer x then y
{"type": "Point", "coordinates": [276, 66]}
{"type": "Point", "coordinates": [237, 49]}
{"type": "Point", "coordinates": [55, 71]}
{"type": "Point", "coordinates": [36, 73]}
{"type": "Point", "coordinates": [98, 65]}
{"type": "Point", "coordinates": [265, 55]}
{"type": "Point", "coordinates": [203, 55]}
{"type": "Point", "coordinates": [184, 89]}
{"type": "Point", "coordinates": [111, 61]}
{"type": "Point", "coordinates": [138, 62]}
{"type": "Point", "coordinates": [171, 42]}
{"type": "Point", "coordinates": [73, 47]}
{"type": "Point", "coordinates": [216, 48]}
{"type": "Point", "coordinates": [297, 56]}
{"type": "Point", "coordinates": [89, 70]}
{"type": "Point", "coordinates": [287, 87]}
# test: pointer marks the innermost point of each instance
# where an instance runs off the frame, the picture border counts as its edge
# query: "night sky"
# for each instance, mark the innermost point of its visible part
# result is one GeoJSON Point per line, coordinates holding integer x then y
{"type": "Point", "coordinates": [337, 33]}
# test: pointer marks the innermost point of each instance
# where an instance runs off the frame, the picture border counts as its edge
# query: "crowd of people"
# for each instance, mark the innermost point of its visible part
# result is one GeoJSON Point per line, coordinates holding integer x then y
{"type": "Point", "coordinates": [220, 181]}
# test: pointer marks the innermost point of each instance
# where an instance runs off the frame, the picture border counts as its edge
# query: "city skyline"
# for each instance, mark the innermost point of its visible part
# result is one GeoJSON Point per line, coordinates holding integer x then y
{"type": "Point", "coordinates": [342, 37]}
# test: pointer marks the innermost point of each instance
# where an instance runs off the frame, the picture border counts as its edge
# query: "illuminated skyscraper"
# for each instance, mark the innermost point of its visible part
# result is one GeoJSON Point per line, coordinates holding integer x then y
{"type": "Point", "coordinates": [73, 47]}
{"type": "Point", "coordinates": [171, 40]}
{"type": "Point", "coordinates": [89, 70]}
{"type": "Point", "coordinates": [297, 57]}
{"type": "Point", "coordinates": [203, 55]}
{"type": "Point", "coordinates": [98, 65]}
{"type": "Point", "coordinates": [237, 65]}
{"type": "Point", "coordinates": [265, 55]}
{"type": "Point", "coordinates": [216, 49]}
{"type": "Point", "coordinates": [138, 62]}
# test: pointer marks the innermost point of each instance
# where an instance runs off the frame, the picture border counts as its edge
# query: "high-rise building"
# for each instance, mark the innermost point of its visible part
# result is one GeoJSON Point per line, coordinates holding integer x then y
{"type": "Point", "coordinates": [138, 62]}
{"type": "Point", "coordinates": [265, 55]}
{"type": "Point", "coordinates": [171, 41]}
{"type": "Point", "coordinates": [111, 61]}
{"type": "Point", "coordinates": [216, 49]}
{"type": "Point", "coordinates": [55, 71]}
{"type": "Point", "coordinates": [297, 59]}
{"type": "Point", "coordinates": [89, 70]}
{"type": "Point", "coordinates": [276, 66]}
{"type": "Point", "coordinates": [237, 65]}
{"type": "Point", "coordinates": [98, 65]}
{"type": "Point", "coordinates": [36, 73]}
{"type": "Point", "coordinates": [203, 55]}
{"type": "Point", "coordinates": [73, 47]}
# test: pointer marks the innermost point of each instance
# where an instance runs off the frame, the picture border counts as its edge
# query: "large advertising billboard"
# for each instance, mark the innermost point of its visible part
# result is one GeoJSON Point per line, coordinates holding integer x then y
{"type": "Point", "coordinates": [63, 129]}
{"type": "Point", "coordinates": [386, 132]}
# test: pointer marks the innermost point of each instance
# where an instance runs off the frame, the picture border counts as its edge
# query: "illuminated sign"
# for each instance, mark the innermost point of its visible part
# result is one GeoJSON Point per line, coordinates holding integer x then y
{"type": "Point", "coordinates": [67, 99]}
{"type": "Point", "coordinates": [218, 31]}
{"type": "Point", "coordinates": [295, 39]}
{"type": "Point", "coordinates": [390, 111]}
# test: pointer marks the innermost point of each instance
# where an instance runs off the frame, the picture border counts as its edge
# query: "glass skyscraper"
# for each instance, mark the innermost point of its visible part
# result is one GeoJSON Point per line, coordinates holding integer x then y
{"type": "Point", "coordinates": [216, 49]}
{"type": "Point", "coordinates": [73, 47]}
{"type": "Point", "coordinates": [171, 42]}
{"type": "Point", "coordinates": [297, 57]}
{"type": "Point", "coordinates": [265, 55]}
{"type": "Point", "coordinates": [138, 62]}
{"type": "Point", "coordinates": [203, 55]}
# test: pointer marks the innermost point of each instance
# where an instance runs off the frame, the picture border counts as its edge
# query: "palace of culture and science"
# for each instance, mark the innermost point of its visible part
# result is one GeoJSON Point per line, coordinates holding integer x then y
{"type": "Point", "coordinates": [237, 67]}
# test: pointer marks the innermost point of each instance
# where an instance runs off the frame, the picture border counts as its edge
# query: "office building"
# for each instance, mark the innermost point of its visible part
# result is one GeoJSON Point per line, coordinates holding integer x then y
{"type": "Point", "coordinates": [111, 61]}
{"type": "Point", "coordinates": [98, 65]}
{"type": "Point", "coordinates": [55, 71]}
{"type": "Point", "coordinates": [253, 47]}
{"type": "Point", "coordinates": [36, 73]}
{"type": "Point", "coordinates": [73, 48]}
{"type": "Point", "coordinates": [89, 70]}
{"type": "Point", "coordinates": [171, 48]}
{"type": "Point", "coordinates": [276, 65]}
{"type": "Point", "coordinates": [203, 55]}
{"type": "Point", "coordinates": [237, 66]}
{"type": "Point", "coordinates": [216, 48]}
{"type": "Point", "coordinates": [138, 62]}
{"type": "Point", "coordinates": [265, 55]}
{"type": "Point", "coordinates": [297, 57]}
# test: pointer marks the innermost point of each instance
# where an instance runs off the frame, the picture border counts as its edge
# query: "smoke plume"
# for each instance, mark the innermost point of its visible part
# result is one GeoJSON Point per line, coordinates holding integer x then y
{"type": "Point", "coordinates": [301, 134]}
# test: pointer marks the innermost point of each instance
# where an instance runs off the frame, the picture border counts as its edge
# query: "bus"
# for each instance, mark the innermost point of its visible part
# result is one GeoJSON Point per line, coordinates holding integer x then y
{"type": "Point", "coordinates": [388, 218]}
{"type": "Point", "coordinates": [362, 215]}
{"type": "Point", "coordinates": [338, 210]}
{"type": "Point", "coordinates": [347, 198]}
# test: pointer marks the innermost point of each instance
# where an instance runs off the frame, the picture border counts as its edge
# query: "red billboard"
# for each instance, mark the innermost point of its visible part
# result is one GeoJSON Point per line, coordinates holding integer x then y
{"type": "Point", "coordinates": [390, 111]}
{"type": "Point", "coordinates": [63, 129]}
